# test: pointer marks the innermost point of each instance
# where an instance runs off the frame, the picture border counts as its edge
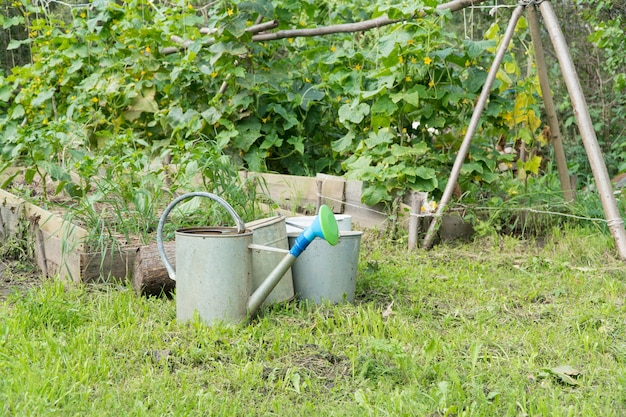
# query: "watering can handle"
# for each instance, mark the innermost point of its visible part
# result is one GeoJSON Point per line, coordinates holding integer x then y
{"type": "Point", "coordinates": [241, 226]}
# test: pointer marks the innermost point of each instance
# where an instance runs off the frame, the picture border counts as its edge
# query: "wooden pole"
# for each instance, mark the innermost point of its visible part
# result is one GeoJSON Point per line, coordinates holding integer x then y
{"type": "Point", "coordinates": [585, 126]}
{"type": "Point", "coordinates": [417, 199]}
{"type": "Point", "coordinates": [473, 125]}
{"type": "Point", "coordinates": [546, 92]}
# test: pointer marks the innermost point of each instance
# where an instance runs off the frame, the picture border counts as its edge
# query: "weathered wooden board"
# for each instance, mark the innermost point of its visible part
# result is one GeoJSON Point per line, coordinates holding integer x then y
{"type": "Point", "coordinates": [296, 193]}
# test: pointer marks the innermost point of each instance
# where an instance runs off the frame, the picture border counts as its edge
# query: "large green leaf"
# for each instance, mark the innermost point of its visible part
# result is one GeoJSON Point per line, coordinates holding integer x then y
{"type": "Point", "coordinates": [353, 113]}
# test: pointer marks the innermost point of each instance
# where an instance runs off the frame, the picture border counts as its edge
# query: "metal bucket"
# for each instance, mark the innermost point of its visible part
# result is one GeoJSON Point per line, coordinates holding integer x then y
{"type": "Point", "coordinates": [268, 234]}
{"type": "Point", "coordinates": [324, 273]}
{"type": "Point", "coordinates": [213, 274]}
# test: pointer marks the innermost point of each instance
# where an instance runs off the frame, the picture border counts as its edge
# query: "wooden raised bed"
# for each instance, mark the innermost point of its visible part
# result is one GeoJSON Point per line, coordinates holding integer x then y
{"type": "Point", "coordinates": [60, 245]}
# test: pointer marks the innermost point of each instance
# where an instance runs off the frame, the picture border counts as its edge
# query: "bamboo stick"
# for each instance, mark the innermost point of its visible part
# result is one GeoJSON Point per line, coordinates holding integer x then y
{"type": "Point", "coordinates": [585, 126]}
{"type": "Point", "coordinates": [546, 91]}
{"type": "Point", "coordinates": [473, 125]}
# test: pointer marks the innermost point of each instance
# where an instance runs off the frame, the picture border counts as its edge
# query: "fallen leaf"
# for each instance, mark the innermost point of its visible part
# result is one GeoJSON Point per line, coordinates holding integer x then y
{"type": "Point", "coordinates": [388, 311]}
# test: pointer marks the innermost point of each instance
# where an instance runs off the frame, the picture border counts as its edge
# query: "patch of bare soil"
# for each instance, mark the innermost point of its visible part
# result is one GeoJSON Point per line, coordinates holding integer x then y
{"type": "Point", "coordinates": [17, 277]}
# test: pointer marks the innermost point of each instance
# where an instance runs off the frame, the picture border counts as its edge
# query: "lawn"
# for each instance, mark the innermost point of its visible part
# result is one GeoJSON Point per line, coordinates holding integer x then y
{"type": "Point", "coordinates": [500, 326]}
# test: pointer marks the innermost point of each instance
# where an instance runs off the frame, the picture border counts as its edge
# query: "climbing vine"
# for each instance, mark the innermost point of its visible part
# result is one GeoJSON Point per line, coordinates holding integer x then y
{"type": "Point", "coordinates": [129, 90]}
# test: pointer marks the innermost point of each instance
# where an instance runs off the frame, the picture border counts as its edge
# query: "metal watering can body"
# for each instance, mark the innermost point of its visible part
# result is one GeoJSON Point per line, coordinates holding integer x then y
{"type": "Point", "coordinates": [214, 265]}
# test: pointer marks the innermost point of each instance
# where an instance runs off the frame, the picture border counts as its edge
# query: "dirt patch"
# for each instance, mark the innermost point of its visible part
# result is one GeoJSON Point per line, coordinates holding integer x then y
{"type": "Point", "coordinates": [17, 277]}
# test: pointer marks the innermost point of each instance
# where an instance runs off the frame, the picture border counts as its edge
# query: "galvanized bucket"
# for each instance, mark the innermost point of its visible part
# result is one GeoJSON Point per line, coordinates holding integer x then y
{"type": "Point", "coordinates": [270, 244]}
{"type": "Point", "coordinates": [328, 274]}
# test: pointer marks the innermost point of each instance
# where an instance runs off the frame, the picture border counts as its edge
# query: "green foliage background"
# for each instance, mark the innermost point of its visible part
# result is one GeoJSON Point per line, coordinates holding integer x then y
{"type": "Point", "coordinates": [98, 96]}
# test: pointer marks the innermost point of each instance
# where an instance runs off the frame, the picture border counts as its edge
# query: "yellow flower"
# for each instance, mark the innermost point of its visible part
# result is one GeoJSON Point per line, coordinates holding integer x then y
{"type": "Point", "coordinates": [431, 84]}
{"type": "Point", "coordinates": [307, 80]}
{"type": "Point", "coordinates": [410, 42]}
{"type": "Point", "coordinates": [427, 60]}
{"type": "Point", "coordinates": [407, 79]}
{"type": "Point", "coordinates": [338, 98]}
{"type": "Point", "coordinates": [467, 63]}
{"type": "Point", "coordinates": [357, 67]}
{"type": "Point", "coordinates": [290, 40]}
{"type": "Point", "coordinates": [147, 50]}
{"type": "Point", "coordinates": [230, 12]}
{"type": "Point", "coordinates": [413, 60]}
{"type": "Point", "coordinates": [333, 49]}
{"type": "Point", "coordinates": [190, 6]}
{"type": "Point", "coordinates": [95, 100]}
{"type": "Point", "coordinates": [400, 59]}
{"type": "Point", "coordinates": [214, 74]}
{"type": "Point", "coordinates": [83, 15]}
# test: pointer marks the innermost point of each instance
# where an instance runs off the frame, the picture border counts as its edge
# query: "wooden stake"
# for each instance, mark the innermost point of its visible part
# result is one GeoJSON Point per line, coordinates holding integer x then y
{"type": "Point", "coordinates": [417, 200]}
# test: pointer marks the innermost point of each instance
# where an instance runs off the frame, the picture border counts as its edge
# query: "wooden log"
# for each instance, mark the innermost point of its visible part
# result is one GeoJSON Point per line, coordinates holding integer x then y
{"type": "Point", "coordinates": [150, 275]}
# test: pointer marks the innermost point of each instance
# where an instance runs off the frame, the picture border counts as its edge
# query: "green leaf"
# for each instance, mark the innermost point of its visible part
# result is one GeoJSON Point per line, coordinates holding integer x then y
{"type": "Point", "coordinates": [476, 80]}
{"type": "Point", "coordinates": [343, 143]}
{"type": "Point", "coordinates": [298, 143]}
{"type": "Point", "coordinates": [14, 43]}
{"type": "Point", "coordinates": [18, 112]}
{"type": "Point", "coordinates": [249, 132]}
{"type": "Point", "coordinates": [532, 165]}
{"type": "Point", "coordinates": [476, 48]}
{"type": "Point", "coordinates": [413, 98]}
{"type": "Point", "coordinates": [353, 113]}
{"type": "Point", "coordinates": [211, 115]}
{"type": "Point", "coordinates": [471, 167]}
{"type": "Point", "coordinates": [144, 102]}
{"type": "Point", "coordinates": [6, 92]}
{"type": "Point", "coordinates": [223, 138]}
{"type": "Point", "coordinates": [383, 136]}
{"type": "Point", "coordinates": [374, 194]}
{"type": "Point", "coordinates": [42, 97]}
{"type": "Point", "coordinates": [76, 65]}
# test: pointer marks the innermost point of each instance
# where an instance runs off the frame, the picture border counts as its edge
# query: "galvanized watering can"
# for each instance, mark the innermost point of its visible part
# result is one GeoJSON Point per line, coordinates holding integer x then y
{"type": "Point", "coordinates": [214, 264]}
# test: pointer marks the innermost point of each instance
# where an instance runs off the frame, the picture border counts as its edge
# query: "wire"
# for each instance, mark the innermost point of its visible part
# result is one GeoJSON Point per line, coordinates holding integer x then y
{"type": "Point", "coordinates": [610, 223]}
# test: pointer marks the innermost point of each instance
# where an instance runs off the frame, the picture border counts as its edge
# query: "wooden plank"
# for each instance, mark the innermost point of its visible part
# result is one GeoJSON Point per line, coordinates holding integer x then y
{"type": "Point", "coordinates": [296, 193]}
{"type": "Point", "coordinates": [61, 259]}
{"type": "Point", "coordinates": [48, 222]}
{"type": "Point", "coordinates": [10, 215]}
{"type": "Point", "coordinates": [115, 264]}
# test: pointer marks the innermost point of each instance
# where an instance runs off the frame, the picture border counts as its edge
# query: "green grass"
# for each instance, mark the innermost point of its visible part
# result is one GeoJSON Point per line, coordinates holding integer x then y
{"type": "Point", "coordinates": [477, 329]}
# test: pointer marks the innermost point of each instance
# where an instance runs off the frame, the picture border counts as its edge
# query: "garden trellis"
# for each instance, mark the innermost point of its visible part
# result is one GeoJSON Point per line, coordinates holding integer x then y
{"type": "Point", "coordinates": [585, 125]}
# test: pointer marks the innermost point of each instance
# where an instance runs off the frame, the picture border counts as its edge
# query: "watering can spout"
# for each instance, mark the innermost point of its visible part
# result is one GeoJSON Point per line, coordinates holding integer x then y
{"type": "Point", "coordinates": [324, 226]}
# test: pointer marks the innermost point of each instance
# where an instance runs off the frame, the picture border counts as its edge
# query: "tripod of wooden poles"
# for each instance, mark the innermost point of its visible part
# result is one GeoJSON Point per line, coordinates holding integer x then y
{"type": "Point", "coordinates": [585, 126]}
